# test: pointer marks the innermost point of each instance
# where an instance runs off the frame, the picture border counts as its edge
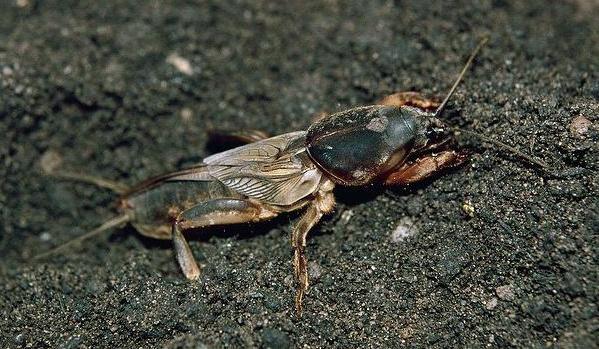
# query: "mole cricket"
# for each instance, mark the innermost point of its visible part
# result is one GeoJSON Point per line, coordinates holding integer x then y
{"type": "Point", "coordinates": [397, 141]}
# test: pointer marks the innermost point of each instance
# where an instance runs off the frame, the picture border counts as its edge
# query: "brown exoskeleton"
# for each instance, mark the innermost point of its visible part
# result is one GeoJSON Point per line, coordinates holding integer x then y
{"type": "Point", "coordinates": [398, 141]}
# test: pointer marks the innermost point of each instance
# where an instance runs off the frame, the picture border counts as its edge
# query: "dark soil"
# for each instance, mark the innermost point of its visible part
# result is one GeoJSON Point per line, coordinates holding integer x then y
{"type": "Point", "coordinates": [87, 85]}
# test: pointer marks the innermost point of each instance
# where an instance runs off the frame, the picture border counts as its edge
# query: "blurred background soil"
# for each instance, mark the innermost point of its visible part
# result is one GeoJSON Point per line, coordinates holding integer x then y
{"type": "Point", "coordinates": [496, 254]}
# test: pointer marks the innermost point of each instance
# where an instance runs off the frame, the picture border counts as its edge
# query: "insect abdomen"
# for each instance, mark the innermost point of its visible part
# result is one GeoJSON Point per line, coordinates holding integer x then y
{"type": "Point", "coordinates": [153, 210]}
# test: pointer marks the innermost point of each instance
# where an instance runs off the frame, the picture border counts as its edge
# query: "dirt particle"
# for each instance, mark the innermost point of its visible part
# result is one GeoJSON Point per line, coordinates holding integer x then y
{"type": "Point", "coordinates": [45, 236]}
{"type": "Point", "coordinates": [181, 64]}
{"type": "Point", "coordinates": [346, 216]}
{"type": "Point", "coordinates": [505, 292]}
{"type": "Point", "coordinates": [580, 126]}
{"type": "Point", "coordinates": [406, 332]}
{"type": "Point", "coordinates": [491, 303]}
{"type": "Point", "coordinates": [468, 208]}
{"type": "Point", "coordinates": [50, 161]}
{"type": "Point", "coordinates": [314, 270]}
{"type": "Point", "coordinates": [6, 71]}
{"type": "Point", "coordinates": [404, 229]}
{"type": "Point", "coordinates": [186, 115]}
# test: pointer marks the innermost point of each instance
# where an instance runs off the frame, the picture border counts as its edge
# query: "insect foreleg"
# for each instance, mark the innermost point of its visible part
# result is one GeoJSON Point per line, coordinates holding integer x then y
{"type": "Point", "coordinates": [425, 167]}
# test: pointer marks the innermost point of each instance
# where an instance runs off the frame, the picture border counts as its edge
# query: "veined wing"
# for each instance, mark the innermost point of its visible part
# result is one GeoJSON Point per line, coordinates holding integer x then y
{"type": "Point", "coordinates": [263, 151]}
{"type": "Point", "coordinates": [271, 170]}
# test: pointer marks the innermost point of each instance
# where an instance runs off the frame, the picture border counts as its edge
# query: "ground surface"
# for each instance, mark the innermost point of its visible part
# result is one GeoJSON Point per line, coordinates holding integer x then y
{"type": "Point", "coordinates": [90, 84]}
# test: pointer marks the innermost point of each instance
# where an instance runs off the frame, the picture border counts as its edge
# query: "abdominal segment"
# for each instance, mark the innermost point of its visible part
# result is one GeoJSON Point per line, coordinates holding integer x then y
{"type": "Point", "coordinates": [153, 210]}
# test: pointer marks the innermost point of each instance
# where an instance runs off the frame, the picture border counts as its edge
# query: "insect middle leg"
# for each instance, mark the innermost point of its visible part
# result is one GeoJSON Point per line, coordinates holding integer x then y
{"type": "Point", "coordinates": [321, 205]}
{"type": "Point", "coordinates": [208, 213]}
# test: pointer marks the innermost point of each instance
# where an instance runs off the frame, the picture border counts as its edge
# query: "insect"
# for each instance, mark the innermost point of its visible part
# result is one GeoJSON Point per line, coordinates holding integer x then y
{"type": "Point", "coordinates": [398, 141]}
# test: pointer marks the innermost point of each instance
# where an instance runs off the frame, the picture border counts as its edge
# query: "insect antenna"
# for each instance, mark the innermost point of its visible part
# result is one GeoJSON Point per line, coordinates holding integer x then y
{"type": "Point", "coordinates": [111, 223]}
{"type": "Point", "coordinates": [504, 146]}
{"type": "Point", "coordinates": [482, 137]}
{"type": "Point", "coordinates": [460, 77]}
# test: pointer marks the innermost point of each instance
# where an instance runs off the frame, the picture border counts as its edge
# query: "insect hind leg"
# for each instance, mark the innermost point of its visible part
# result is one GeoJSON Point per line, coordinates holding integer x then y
{"type": "Point", "coordinates": [209, 213]}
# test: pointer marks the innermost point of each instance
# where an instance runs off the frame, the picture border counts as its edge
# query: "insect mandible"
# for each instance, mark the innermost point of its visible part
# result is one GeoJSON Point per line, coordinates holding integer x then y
{"type": "Point", "coordinates": [397, 141]}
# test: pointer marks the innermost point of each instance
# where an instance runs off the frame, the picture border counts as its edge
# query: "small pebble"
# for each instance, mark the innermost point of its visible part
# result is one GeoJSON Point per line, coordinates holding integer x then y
{"type": "Point", "coordinates": [180, 63]}
{"type": "Point", "coordinates": [186, 114]}
{"type": "Point", "coordinates": [505, 292]}
{"type": "Point", "coordinates": [491, 303]}
{"type": "Point", "coordinates": [404, 229]}
{"type": "Point", "coordinates": [346, 216]}
{"type": "Point", "coordinates": [468, 208]}
{"type": "Point", "coordinates": [45, 236]}
{"type": "Point", "coordinates": [580, 126]}
{"type": "Point", "coordinates": [50, 161]}
{"type": "Point", "coordinates": [314, 270]}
